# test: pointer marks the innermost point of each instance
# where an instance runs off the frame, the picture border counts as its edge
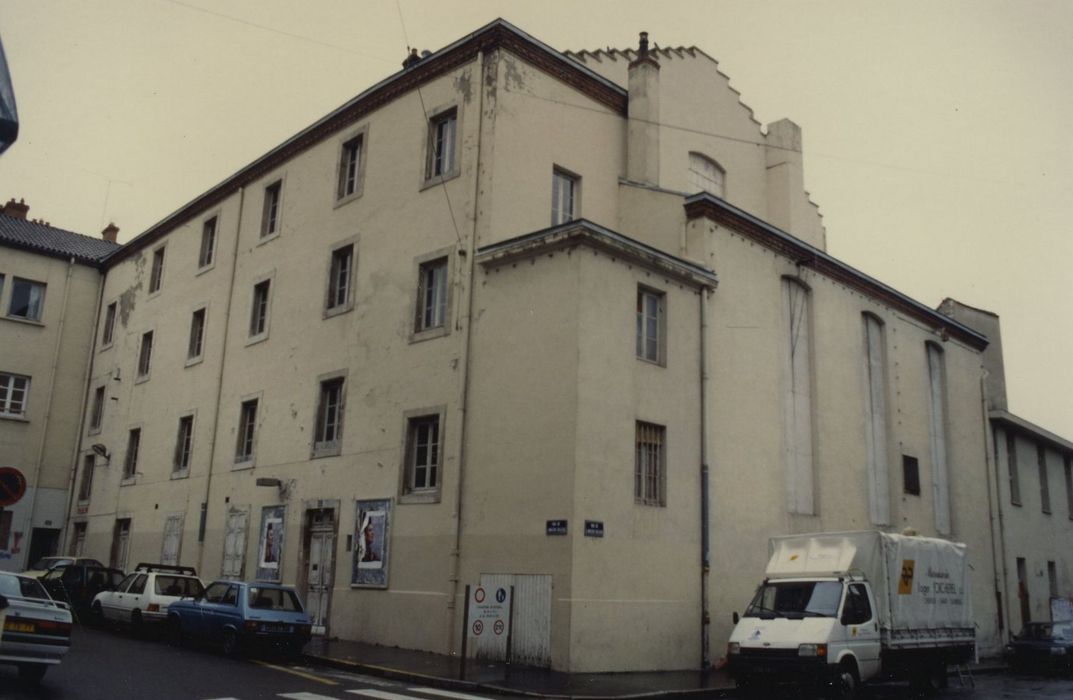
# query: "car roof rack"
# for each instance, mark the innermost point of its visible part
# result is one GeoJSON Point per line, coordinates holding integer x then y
{"type": "Point", "coordinates": [145, 567]}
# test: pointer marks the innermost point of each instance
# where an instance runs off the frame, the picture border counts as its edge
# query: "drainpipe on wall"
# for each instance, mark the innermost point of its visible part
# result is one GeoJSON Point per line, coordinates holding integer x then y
{"type": "Point", "coordinates": [705, 504]}
{"type": "Point", "coordinates": [48, 402]}
{"type": "Point", "coordinates": [456, 550]}
{"type": "Point", "coordinates": [220, 381]}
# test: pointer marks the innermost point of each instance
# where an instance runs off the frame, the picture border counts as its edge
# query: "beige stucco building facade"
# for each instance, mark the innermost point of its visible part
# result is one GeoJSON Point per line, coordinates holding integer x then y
{"type": "Point", "coordinates": [562, 321]}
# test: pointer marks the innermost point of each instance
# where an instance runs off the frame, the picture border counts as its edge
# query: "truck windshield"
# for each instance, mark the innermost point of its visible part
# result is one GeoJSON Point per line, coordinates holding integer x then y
{"type": "Point", "coordinates": [796, 599]}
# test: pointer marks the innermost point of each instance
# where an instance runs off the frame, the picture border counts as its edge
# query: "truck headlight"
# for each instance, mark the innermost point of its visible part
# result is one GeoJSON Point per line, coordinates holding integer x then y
{"type": "Point", "coordinates": [733, 648]}
{"type": "Point", "coordinates": [812, 650]}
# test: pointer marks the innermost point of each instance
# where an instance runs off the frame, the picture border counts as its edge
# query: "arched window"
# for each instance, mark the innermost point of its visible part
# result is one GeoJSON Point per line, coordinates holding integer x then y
{"type": "Point", "coordinates": [797, 398]}
{"type": "Point", "coordinates": [875, 422]}
{"type": "Point", "coordinates": [705, 175]}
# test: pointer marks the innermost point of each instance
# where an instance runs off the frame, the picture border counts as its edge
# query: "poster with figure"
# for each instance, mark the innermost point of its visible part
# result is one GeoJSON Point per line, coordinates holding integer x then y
{"type": "Point", "coordinates": [372, 527]}
{"type": "Point", "coordinates": [270, 544]}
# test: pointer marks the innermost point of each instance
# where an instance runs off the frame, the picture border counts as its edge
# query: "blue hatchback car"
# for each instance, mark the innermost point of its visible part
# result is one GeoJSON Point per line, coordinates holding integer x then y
{"type": "Point", "coordinates": [238, 615]}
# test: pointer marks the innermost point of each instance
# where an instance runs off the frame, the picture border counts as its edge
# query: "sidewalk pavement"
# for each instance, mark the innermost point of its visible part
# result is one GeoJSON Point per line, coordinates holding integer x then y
{"type": "Point", "coordinates": [441, 671]}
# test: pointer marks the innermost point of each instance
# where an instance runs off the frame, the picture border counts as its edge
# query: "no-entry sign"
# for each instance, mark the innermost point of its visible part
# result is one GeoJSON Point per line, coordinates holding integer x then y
{"type": "Point", "coordinates": [12, 486]}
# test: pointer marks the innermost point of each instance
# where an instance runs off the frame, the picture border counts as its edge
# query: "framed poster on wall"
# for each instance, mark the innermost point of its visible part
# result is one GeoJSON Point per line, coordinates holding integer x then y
{"type": "Point", "coordinates": [270, 543]}
{"type": "Point", "coordinates": [372, 543]}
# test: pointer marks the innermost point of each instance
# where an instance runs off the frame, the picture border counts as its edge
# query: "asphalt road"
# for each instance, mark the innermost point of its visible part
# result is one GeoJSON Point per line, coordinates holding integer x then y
{"type": "Point", "coordinates": [113, 666]}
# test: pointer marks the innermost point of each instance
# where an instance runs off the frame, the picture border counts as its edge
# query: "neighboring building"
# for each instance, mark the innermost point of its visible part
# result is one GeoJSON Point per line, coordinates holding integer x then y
{"type": "Point", "coordinates": [50, 282]}
{"type": "Point", "coordinates": [513, 316]}
{"type": "Point", "coordinates": [1031, 470]}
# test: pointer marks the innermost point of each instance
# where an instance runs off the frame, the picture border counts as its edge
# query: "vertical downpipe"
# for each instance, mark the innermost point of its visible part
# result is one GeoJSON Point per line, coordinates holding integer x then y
{"type": "Point", "coordinates": [705, 505]}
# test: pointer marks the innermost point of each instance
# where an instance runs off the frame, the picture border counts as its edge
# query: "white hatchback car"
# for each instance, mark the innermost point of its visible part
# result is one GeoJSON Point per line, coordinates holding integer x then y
{"type": "Point", "coordinates": [143, 597]}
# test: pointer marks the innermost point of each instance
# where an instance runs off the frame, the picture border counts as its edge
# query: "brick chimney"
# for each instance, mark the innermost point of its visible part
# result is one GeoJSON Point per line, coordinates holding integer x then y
{"type": "Point", "coordinates": [110, 232]}
{"type": "Point", "coordinates": [642, 140]}
{"type": "Point", "coordinates": [16, 210]}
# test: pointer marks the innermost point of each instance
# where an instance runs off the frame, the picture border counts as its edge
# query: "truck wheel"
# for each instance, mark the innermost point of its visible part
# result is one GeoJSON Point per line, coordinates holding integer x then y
{"type": "Point", "coordinates": [930, 681]}
{"type": "Point", "coordinates": [845, 684]}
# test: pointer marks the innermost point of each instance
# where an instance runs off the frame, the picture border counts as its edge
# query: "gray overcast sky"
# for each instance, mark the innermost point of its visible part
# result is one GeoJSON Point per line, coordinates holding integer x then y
{"type": "Point", "coordinates": [937, 134]}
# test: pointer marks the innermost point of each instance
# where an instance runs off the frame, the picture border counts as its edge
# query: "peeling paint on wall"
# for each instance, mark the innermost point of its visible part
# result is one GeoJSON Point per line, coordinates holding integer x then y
{"type": "Point", "coordinates": [464, 86]}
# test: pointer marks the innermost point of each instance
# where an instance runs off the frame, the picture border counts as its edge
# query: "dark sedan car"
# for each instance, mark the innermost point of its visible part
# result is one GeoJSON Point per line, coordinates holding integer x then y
{"type": "Point", "coordinates": [1042, 646]}
{"type": "Point", "coordinates": [77, 584]}
{"type": "Point", "coordinates": [242, 616]}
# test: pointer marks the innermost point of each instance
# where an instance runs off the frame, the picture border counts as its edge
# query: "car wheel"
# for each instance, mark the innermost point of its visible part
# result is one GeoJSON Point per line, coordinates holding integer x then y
{"type": "Point", "coordinates": [845, 683]}
{"type": "Point", "coordinates": [96, 616]}
{"type": "Point", "coordinates": [175, 631]}
{"type": "Point", "coordinates": [32, 673]}
{"type": "Point", "coordinates": [230, 642]}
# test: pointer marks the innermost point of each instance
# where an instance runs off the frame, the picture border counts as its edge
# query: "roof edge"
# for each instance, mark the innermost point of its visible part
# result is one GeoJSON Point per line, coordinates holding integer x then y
{"type": "Point", "coordinates": [1026, 426]}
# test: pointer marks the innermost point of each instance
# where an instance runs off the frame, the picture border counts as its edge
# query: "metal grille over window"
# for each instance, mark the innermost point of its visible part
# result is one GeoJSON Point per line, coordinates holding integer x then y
{"type": "Point", "coordinates": [649, 471]}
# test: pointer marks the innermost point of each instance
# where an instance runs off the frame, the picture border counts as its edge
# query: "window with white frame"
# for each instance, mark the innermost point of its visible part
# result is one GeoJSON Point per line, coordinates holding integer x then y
{"type": "Point", "coordinates": [85, 487]}
{"type": "Point", "coordinates": [247, 427]}
{"type": "Point", "coordinates": [350, 162]}
{"type": "Point", "coordinates": [108, 331]}
{"type": "Point", "coordinates": [145, 355]}
{"type": "Point", "coordinates": [259, 308]}
{"type": "Point", "coordinates": [130, 462]}
{"type": "Point", "coordinates": [270, 213]}
{"type": "Point", "coordinates": [431, 295]}
{"type": "Point", "coordinates": [650, 330]}
{"type": "Point", "coordinates": [207, 252]}
{"type": "Point", "coordinates": [156, 273]}
{"type": "Point", "coordinates": [705, 175]}
{"type": "Point", "coordinates": [423, 448]}
{"type": "Point", "coordinates": [340, 278]}
{"type": "Point", "coordinates": [564, 191]}
{"type": "Point", "coordinates": [27, 299]}
{"type": "Point", "coordinates": [649, 474]}
{"type": "Point", "coordinates": [329, 429]}
{"type": "Point", "coordinates": [97, 414]}
{"type": "Point", "coordinates": [184, 444]}
{"type": "Point", "coordinates": [1044, 484]}
{"type": "Point", "coordinates": [195, 346]}
{"type": "Point", "coordinates": [442, 134]}
{"type": "Point", "coordinates": [14, 394]}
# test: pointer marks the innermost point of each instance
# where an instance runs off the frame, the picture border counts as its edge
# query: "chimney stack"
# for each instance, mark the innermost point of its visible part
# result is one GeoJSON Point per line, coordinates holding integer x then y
{"type": "Point", "coordinates": [642, 141]}
{"type": "Point", "coordinates": [16, 210]}
{"type": "Point", "coordinates": [110, 232]}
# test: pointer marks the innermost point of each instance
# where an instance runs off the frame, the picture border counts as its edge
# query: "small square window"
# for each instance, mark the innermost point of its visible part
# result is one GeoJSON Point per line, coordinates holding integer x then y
{"type": "Point", "coordinates": [259, 309]}
{"type": "Point", "coordinates": [431, 295]}
{"type": "Point", "coordinates": [442, 134]}
{"type": "Point", "coordinates": [130, 463]}
{"type": "Point", "coordinates": [207, 253]}
{"type": "Point", "coordinates": [910, 475]}
{"type": "Point", "coordinates": [270, 216]}
{"type": "Point", "coordinates": [329, 429]}
{"type": "Point", "coordinates": [156, 274]}
{"type": "Point", "coordinates": [247, 428]}
{"type": "Point", "coordinates": [184, 444]}
{"type": "Point", "coordinates": [145, 355]}
{"type": "Point", "coordinates": [350, 168]}
{"type": "Point", "coordinates": [27, 299]}
{"type": "Point", "coordinates": [340, 278]}
{"type": "Point", "coordinates": [108, 331]}
{"type": "Point", "coordinates": [423, 454]}
{"type": "Point", "coordinates": [97, 414]}
{"type": "Point", "coordinates": [564, 190]}
{"type": "Point", "coordinates": [14, 394]}
{"type": "Point", "coordinates": [649, 466]}
{"type": "Point", "coordinates": [197, 335]}
{"type": "Point", "coordinates": [650, 320]}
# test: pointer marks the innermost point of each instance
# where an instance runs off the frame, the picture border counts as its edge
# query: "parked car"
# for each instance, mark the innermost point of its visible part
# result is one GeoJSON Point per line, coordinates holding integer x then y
{"type": "Point", "coordinates": [243, 616]}
{"type": "Point", "coordinates": [1042, 646]}
{"type": "Point", "coordinates": [143, 597]}
{"type": "Point", "coordinates": [77, 584]}
{"type": "Point", "coordinates": [45, 564]}
{"type": "Point", "coordinates": [36, 629]}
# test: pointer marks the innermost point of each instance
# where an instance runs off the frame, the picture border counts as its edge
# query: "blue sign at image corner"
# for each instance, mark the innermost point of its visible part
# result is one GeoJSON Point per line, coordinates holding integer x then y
{"type": "Point", "coordinates": [555, 527]}
{"type": "Point", "coordinates": [594, 528]}
{"type": "Point", "coordinates": [501, 595]}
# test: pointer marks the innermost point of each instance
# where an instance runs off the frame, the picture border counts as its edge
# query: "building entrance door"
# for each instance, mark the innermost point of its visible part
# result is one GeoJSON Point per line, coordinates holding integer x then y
{"type": "Point", "coordinates": [320, 555]}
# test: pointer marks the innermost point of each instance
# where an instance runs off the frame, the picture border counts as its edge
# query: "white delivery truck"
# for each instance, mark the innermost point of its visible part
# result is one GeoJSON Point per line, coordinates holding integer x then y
{"type": "Point", "coordinates": [837, 609]}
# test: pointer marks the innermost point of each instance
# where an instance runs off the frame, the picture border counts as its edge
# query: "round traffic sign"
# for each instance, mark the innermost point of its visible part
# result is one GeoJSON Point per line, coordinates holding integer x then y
{"type": "Point", "coordinates": [478, 595]}
{"type": "Point", "coordinates": [478, 627]}
{"type": "Point", "coordinates": [501, 595]}
{"type": "Point", "coordinates": [12, 486]}
{"type": "Point", "coordinates": [498, 627]}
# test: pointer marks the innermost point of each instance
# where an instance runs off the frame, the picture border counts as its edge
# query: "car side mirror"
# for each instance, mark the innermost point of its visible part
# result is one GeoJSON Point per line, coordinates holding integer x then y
{"type": "Point", "coordinates": [735, 617]}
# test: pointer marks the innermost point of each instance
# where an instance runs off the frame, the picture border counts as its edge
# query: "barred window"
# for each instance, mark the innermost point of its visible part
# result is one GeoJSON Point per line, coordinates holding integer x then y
{"type": "Point", "coordinates": [650, 472]}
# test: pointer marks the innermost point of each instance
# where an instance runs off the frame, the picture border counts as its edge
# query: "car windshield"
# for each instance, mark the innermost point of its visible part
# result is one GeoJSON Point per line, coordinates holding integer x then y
{"type": "Point", "coordinates": [183, 586]}
{"type": "Point", "coordinates": [273, 599]}
{"type": "Point", "coordinates": [21, 587]}
{"type": "Point", "coordinates": [796, 599]}
{"type": "Point", "coordinates": [46, 562]}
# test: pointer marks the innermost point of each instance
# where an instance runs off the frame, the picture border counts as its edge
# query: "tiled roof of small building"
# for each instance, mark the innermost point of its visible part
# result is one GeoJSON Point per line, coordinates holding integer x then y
{"type": "Point", "coordinates": [54, 242]}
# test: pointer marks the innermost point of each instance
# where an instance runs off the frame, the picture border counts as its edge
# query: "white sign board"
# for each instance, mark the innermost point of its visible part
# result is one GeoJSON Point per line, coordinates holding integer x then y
{"type": "Point", "coordinates": [489, 613]}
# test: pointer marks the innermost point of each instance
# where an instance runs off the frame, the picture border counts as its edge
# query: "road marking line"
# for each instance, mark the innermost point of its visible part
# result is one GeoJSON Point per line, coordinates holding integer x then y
{"type": "Point", "coordinates": [305, 696]}
{"type": "Point", "coordinates": [447, 694]}
{"type": "Point", "coordinates": [221, 698]}
{"type": "Point", "coordinates": [381, 695]}
{"type": "Point", "coordinates": [294, 672]}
